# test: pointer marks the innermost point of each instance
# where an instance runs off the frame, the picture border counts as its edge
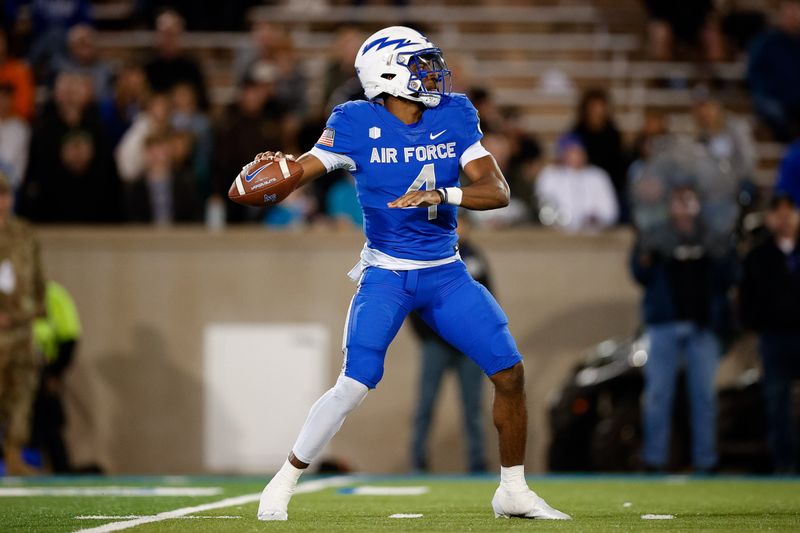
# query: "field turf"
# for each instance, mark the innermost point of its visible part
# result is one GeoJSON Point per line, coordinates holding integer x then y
{"type": "Point", "coordinates": [597, 503]}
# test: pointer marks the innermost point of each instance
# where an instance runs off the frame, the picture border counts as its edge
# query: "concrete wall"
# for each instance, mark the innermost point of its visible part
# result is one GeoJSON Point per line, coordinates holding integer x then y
{"type": "Point", "coordinates": [135, 397]}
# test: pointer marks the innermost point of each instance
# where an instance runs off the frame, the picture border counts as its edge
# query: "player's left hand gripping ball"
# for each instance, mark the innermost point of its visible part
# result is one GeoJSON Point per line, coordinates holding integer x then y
{"type": "Point", "coordinates": [267, 180]}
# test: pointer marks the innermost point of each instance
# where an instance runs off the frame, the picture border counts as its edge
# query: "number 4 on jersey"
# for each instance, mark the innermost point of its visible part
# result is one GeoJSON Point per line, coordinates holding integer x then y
{"type": "Point", "coordinates": [427, 177]}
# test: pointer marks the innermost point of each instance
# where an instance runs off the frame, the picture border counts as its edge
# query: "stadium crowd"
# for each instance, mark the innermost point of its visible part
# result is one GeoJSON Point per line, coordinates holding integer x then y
{"type": "Point", "coordinates": [86, 140]}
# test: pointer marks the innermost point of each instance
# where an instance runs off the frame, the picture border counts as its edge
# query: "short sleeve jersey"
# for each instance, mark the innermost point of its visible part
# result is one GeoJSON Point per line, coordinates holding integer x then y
{"type": "Point", "coordinates": [392, 158]}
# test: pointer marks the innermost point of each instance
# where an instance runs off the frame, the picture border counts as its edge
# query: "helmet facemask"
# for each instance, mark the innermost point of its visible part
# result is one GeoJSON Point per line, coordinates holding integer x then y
{"type": "Point", "coordinates": [429, 76]}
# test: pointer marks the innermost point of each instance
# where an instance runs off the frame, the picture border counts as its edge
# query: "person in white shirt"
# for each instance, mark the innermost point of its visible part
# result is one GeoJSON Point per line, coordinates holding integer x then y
{"type": "Point", "coordinates": [574, 195]}
{"type": "Point", "coordinates": [131, 150]}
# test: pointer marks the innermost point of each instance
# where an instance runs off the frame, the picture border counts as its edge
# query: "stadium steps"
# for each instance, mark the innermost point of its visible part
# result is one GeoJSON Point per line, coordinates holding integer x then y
{"type": "Point", "coordinates": [520, 48]}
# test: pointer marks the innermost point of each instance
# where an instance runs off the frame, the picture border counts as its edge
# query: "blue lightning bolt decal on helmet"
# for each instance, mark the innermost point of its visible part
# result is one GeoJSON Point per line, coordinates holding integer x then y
{"type": "Point", "coordinates": [401, 62]}
{"type": "Point", "coordinates": [384, 42]}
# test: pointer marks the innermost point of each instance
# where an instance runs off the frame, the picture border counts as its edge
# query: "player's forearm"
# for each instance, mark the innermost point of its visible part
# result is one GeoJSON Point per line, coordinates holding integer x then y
{"type": "Point", "coordinates": [312, 169]}
{"type": "Point", "coordinates": [484, 194]}
{"type": "Point", "coordinates": [487, 189]}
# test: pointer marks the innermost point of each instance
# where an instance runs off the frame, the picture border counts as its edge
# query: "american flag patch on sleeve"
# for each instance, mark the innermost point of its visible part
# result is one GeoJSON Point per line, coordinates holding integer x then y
{"type": "Point", "coordinates": [326, 139]}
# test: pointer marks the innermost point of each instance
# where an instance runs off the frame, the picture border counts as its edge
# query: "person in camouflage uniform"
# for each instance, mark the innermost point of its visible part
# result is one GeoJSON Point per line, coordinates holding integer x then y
{"type": "Point", "coordinates": [22, 288]}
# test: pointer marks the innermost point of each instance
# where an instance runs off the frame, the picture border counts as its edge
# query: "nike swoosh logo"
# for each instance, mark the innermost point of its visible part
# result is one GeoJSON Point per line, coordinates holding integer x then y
{"type": "Point", "coordinates": [249, 177]}
{"type": "Point", "coordinates": [433, 137]}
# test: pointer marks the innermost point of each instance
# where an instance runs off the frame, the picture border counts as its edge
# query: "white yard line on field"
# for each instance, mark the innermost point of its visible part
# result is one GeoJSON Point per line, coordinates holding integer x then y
{"type": "Point", "coordinates": [109, 491]}
{"type": "Point", "coordinates": [309, 486]}
{"type": "Point", "coordinates": [367, 490]}
{"type": "Point", "coordinates": [128, 517]}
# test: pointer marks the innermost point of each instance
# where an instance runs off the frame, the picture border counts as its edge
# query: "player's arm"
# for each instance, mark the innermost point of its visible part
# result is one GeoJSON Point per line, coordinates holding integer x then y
{"type": "Point", "coordinates": [487, 189]}
{"type": "Point", "coordinates": [333, 150]}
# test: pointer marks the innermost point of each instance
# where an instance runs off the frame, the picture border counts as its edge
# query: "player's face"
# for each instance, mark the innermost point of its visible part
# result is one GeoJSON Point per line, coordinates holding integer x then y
{"type": "Point", "coordinates": [431, 69]}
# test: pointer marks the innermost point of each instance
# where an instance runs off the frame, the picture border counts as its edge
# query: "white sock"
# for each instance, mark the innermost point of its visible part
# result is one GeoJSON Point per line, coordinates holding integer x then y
{"type": "Point", "coordinates": [289, 472]}
{"type": "Point", "coordinates": [327, 416]}
{"type": "Point", "coordinates": [513, 477]}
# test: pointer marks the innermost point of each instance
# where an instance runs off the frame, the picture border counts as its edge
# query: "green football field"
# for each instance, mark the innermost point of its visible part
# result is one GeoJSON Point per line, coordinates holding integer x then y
{"type": "Point", "coordinates": [361, 503]}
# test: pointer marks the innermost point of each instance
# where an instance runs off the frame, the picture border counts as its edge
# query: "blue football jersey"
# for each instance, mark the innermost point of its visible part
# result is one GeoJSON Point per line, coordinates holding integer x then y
{"type": "Point", "coordinates": [392, 158]}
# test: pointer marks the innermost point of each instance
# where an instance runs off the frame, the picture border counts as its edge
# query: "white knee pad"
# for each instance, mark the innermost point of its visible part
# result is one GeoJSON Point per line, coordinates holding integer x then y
{"type": "Point", "coordinates": [349, 392]}
{"type": "Point", "coordinates": [327, 416]}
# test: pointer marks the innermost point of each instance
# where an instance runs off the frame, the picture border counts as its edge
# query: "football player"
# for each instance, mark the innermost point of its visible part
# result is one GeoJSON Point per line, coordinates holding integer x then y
{"type": "Point", "coordinates": [405, 146]}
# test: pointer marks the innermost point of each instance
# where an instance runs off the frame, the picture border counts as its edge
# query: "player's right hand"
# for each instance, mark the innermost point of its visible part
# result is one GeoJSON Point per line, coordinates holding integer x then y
{"type": "Point", "coordinates": [273, 155]}
{"type": "Point", "coordinates": [416, 199]}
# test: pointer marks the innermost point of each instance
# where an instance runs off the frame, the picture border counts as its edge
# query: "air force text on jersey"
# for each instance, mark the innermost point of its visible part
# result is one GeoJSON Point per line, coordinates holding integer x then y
{"type": "Point", "coordinates": [430, 152]}
{"type": "Point", "coordinates": [388, 158]}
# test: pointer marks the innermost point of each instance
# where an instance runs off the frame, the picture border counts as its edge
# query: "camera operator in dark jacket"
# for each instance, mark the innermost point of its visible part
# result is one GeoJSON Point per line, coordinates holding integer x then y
{"type": "Point", "coordinates": [685, 308]}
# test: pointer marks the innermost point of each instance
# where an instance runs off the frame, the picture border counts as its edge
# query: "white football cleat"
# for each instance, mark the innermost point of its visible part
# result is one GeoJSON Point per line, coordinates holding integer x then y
{"type": "Point", "coordinates": [523, 504]}
{"type": "Point", "coordinates": [275, 499]}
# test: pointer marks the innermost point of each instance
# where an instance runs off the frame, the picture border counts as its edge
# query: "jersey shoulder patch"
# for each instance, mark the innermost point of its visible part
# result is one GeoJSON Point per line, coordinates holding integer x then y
{"type": "Point", "coordinates": [340, 133]}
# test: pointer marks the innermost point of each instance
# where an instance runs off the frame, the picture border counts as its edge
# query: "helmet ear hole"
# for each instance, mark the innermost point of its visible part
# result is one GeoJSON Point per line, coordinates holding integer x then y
{"type": "Point", "coordinates": [388, 76]}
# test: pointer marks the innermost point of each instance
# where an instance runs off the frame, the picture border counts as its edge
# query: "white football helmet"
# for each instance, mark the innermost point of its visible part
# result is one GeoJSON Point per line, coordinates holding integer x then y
{"type": "Point", "coordinates": [398, 61]}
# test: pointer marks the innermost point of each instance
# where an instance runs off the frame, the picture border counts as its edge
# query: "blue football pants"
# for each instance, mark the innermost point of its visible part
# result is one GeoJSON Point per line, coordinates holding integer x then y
{"type": "Point", "coordinates": [454, 305]}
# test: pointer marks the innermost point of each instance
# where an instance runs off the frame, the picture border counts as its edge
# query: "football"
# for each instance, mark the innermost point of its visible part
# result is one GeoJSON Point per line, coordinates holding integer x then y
{"type": "Point", "coordinates": [265, 182]}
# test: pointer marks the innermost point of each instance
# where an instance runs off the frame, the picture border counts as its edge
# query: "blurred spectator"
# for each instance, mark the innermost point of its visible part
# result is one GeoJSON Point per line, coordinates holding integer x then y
{"type": "Point", "coordinates": [654, 125]}
{"type": "Point", "coordinates": [728, 139]}
{"type": "Point", "coordinates": [679, 162]}
{"type": "Point", "coordinates": [56, 337]}
{"type": "Point", "coordinates": [126, 101]}
{"type": "Point", "coordinates": [243, 131]}
{"type": "Point", "coordinates": [491, 118]}
{"type": "Point", "coordinates": [170, 65]}
{"type": "Point", "coordinates": [741, 23]}
{"type": "Point", "coordinates": [343, 206]}
{"type": "Point", "coordinates": [683, 24]}
{"type": "Point", "coordinates": [770, 304]}
{"type": "Point", "coordinates": [187, 117]}
{"type": "Point", "coordinates": [685, 308]}
{"type": "Point", "coordinates": [341, 83]}
{"type": "Point", "coordinates": [789, 173]}
{"type": "Point", "coordinates": [130, 151]}
{"type": "Point", "coordinates": [572, 194]}
{"type": "Point", "coordinates": [16, 74]}
{"type": "Point", "coordinates": [773, 72]}
{"type": "Point", "coordinates": [182, 146]}
{"type": "Point", "coordinates": [524, 160]}
{"type": "Point", "coordinates": [71, 175]}
{"type": "Point", "coordinates": [21, 300]}
{"type": "Point", "coordinates": [15, 138]}
{"type": "Point", "coordinates": [166, 192]}
{"type": "Point", "coordinates": [439, 357]}
{"type": "Point", "coordinates": [272, 45]}
{"type": "Point", "coordinates": [81, 187]}
{"type": "Point", "coordinates": [49, 22]}
{"type": "Point", "coordinates": [202, 16]}
{"type": "Point", "coordinates": [82, 57]}
{"type": "Point", "coordinates": [602, 140]}
{"type": "Point", "coordinates": [499, 145]}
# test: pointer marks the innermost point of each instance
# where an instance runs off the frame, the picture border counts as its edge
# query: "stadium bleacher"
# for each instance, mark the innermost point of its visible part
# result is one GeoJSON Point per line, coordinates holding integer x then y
{"type": "Point", "coordinates": [510, 48]}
